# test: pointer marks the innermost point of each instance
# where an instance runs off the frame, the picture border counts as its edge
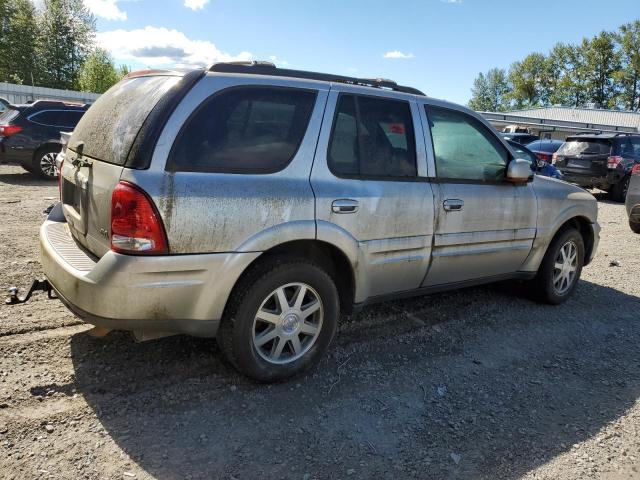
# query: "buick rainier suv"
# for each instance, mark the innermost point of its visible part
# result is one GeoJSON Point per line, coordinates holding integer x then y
{"type": "Point", "coordinates": [256, 205]}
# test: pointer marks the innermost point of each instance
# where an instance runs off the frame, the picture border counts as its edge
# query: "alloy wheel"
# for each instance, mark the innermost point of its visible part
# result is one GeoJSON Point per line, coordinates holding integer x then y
{"type": "Point", "coordinates": [48, 164]}
{"type": "Point", "coordinates": [564, 269]}
{"type": "Point", "coordinates": [288, 323]}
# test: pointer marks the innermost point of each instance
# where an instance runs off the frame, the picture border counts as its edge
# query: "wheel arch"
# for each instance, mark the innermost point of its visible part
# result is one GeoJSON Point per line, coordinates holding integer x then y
{"type": "Point", "coordinates": [324, 254]}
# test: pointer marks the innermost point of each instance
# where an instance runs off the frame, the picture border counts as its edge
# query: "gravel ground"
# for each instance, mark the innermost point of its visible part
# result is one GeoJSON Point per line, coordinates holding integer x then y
{"type": "Point", "coordinates": [480, 383]}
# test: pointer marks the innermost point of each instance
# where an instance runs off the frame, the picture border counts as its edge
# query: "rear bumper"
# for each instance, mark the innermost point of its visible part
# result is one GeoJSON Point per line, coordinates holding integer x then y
{"type": "Point", "coordinates": [585, 180]}
{"type": "Point", "coordinates": [168, 294]}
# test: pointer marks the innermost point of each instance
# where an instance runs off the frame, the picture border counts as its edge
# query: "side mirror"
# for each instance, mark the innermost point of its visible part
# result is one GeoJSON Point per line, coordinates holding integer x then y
{"type": "Point", "coordinates": [519, 171]}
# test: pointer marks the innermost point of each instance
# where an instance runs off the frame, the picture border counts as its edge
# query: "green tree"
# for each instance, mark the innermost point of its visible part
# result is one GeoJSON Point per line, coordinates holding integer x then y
{"type": "Point", "coordinates": [22, 43]}
{"type": "Point", "coordinates": [629, 74]}
{"type": "Point", "coordinates": [528, 80]}
{"type": "Point", "coordinates": [601, 62]}
{"type": "Point", "coordinates": [67, 31]}
{"type": "Point", "coordinates": [98, 73]}
{"type": "Point", "coordinates": [489, 92]}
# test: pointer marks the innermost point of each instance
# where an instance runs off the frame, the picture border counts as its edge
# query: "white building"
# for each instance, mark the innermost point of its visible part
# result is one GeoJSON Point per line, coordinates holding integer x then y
{"type": "Point", "coordinates": [559, 122]}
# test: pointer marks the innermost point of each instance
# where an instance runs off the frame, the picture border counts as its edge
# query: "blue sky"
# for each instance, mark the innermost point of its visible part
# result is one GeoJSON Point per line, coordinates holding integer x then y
{"type": "Point", "coordinates": [438, 46]}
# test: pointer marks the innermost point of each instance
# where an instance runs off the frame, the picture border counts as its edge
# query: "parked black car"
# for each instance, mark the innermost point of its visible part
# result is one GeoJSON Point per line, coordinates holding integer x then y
{"type": "Point", "coordinates": [601, 161]}
{"type": "Point", "coordinates": [544, 149]}
{"type": "Point", "coordinates": [633, 199]}
{"type": "Point", "coordinates": [30, 134]}
{"type": "Point", "coordinates": [521, 138]}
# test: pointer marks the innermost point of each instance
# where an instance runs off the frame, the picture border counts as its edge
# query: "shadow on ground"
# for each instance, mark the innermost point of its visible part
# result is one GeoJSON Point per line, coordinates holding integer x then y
{"type": "Point", "coordinates": [25, 179]}
{"type": "Point", "coordinates": [502, 382]}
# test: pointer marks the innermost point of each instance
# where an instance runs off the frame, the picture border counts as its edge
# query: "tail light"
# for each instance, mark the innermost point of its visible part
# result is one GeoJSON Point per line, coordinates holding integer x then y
{"type": "Point", "coordinates": [613, 161]}
{"type": "Point", "coordinates": [545, 157]}
{"type": "Point", "coordinates": [136, 227]}
{"type": "Point", "coordinates": [636, 169]}
{"type": "Point", "coordinates": [8, 130]}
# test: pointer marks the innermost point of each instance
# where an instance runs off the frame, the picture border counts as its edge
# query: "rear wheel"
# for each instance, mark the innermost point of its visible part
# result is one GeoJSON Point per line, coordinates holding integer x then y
{"type": "Point", "coordinates": [635, 227]}
{"type": "Point", "coordinates": [280, 319]}
{"type": "Point", "coordinates": [560, 269]}
{"type": "Point", "coordinates": [44, 162]}
{"type": "Point", "coordinates": [619, 190]}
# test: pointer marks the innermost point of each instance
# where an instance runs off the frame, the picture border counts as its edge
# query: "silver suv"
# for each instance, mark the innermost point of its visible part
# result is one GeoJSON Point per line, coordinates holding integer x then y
{"type": "Point", "coordinates": [256, 205]}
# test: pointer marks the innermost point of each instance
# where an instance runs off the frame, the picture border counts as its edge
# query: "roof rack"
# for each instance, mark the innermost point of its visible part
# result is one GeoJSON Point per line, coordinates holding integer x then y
{"type": "Point", "coordinates": [268, 68]}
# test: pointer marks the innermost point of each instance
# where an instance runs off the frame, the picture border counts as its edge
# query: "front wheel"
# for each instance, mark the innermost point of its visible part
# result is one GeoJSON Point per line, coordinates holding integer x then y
{"type": "Point", "coordinates": [560, 269]}
{"type": "Point", "coordinates": [280, 319]}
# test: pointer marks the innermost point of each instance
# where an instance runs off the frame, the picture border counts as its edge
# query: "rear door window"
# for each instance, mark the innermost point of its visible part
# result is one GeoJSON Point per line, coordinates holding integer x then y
{"type": "Point", "coordinates": [109, 127]}
{"type": "Point", "coordinates": [585, 147]}
{"type": "Point", "coordinates": [244, 130]}
{"type": "Point", "coordinates": [372, 137]}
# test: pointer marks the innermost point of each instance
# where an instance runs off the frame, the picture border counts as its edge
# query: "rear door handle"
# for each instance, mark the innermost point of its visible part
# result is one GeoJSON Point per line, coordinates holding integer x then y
{"type": "Point", "coordinates": [344, 205]}
{"type": "Point", "coordinates": [453, 204]}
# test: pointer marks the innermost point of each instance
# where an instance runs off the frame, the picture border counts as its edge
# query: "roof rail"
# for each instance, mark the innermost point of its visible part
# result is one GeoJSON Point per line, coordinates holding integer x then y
{"type": "Point", "coordinates": [268, 68]}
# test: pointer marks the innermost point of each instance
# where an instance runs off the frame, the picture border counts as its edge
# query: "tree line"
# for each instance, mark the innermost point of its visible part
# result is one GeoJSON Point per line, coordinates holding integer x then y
{"type": "Point", "coordinates": [53, 45]}
{"type": "Point", "coordinates": [602, 71]}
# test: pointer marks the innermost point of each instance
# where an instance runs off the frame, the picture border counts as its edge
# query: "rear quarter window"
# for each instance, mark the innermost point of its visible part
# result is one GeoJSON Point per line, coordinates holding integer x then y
{"type": "Point", "coordinates": [244, 130]}
{"type": "Point", "coordinates": [109, 128]}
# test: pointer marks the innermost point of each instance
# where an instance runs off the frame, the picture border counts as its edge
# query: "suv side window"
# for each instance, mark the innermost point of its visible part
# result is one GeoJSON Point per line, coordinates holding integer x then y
{"type": "Point", "coordinates": [464, 148]}
{"type": "Point", "coordinates": [372, 137]}
{"type": "Point", "coordinates": [243, 130]}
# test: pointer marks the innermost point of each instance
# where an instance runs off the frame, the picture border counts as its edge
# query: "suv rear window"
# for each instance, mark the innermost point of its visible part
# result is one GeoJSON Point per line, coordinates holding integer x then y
{"type": "Point", "coordinates": [575, 146]}
{"type": "Point", "coordinates": [244, 130]}
{"type": "Point", "coordinates": [110, 126]}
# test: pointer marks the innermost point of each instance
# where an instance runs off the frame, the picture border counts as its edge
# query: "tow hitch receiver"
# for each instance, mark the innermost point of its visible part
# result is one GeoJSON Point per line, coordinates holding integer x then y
{"type": "Point", "coordinates": [44, 285]}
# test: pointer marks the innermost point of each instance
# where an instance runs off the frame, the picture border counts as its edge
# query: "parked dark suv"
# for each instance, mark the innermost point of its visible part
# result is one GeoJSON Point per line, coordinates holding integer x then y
{"type": "Point", "coordinates": [600, 161]}
{"type": "Point", "coordinates": [30, 134]}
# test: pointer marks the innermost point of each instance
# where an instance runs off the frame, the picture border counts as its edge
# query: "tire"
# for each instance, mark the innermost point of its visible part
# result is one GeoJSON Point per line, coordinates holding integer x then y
{"type": "Point", "coordinates": [43, 164]}
{"type": "Point", "coordinates": [619, 191]}
{"type": "Point", "coordinates": [258, 336]}
{"type": "Point", "coordinates": [554, 293]}
{"type": "Point", "coordinates": [635, 227]}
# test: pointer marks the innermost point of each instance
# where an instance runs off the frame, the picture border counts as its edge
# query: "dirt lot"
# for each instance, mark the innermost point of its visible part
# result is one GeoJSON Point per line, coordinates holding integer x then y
{"type": "Point", "coordinates": [481, 383]}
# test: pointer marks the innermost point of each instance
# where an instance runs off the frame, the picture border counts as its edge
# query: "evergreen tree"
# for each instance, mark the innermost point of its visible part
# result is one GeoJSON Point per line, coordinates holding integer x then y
{"type": "Point", "coordinates": [98, 73]}
{"type": "Point", "coordinates": [67, 30]}
{"type": "Point", "coordinates": [629, 73]}
{"type": "Point", "coordinates": [489, 91]}
{"type": "Point", "coordinates": [601, 62]}
{"type": "Point", "coordinates": [21, 42]}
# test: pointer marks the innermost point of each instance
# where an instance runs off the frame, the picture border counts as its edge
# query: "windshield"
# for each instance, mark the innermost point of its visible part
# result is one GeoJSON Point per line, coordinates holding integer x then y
{"type": "Point", "coordinates": [585, 147]}
{"type": "Point", "coordinates": [109, 127]}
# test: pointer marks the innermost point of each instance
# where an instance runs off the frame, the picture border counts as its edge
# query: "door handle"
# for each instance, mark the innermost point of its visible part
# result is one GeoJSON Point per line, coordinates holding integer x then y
{"type": "Point", "coordinates": [344, 205]}
{"type": "Point", "coordinates": [453, 204]}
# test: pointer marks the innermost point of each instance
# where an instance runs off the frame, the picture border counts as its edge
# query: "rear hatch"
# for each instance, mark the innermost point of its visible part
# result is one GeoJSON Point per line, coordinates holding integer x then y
{"type": "Point", "coordinates": [584, 156]}
{"type": "Point", "coordinates": [99, 149]}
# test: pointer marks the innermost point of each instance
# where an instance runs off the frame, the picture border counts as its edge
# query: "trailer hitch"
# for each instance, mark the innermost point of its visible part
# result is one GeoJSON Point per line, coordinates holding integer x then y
{"type": "Point", "coordinates": [37, 285]}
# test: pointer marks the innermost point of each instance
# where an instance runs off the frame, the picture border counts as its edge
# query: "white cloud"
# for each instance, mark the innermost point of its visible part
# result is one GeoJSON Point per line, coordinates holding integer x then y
{"type": "Point", "coordinates": [106, 9]}
{"type": "Point", "coordinates": [195, 4]}
{"type": "Point", "coordinates": [154, 46]}
{"type": "Point", "coordinates": [278, 61]}
{"type": "Point", "coordinates": [397, 54]}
